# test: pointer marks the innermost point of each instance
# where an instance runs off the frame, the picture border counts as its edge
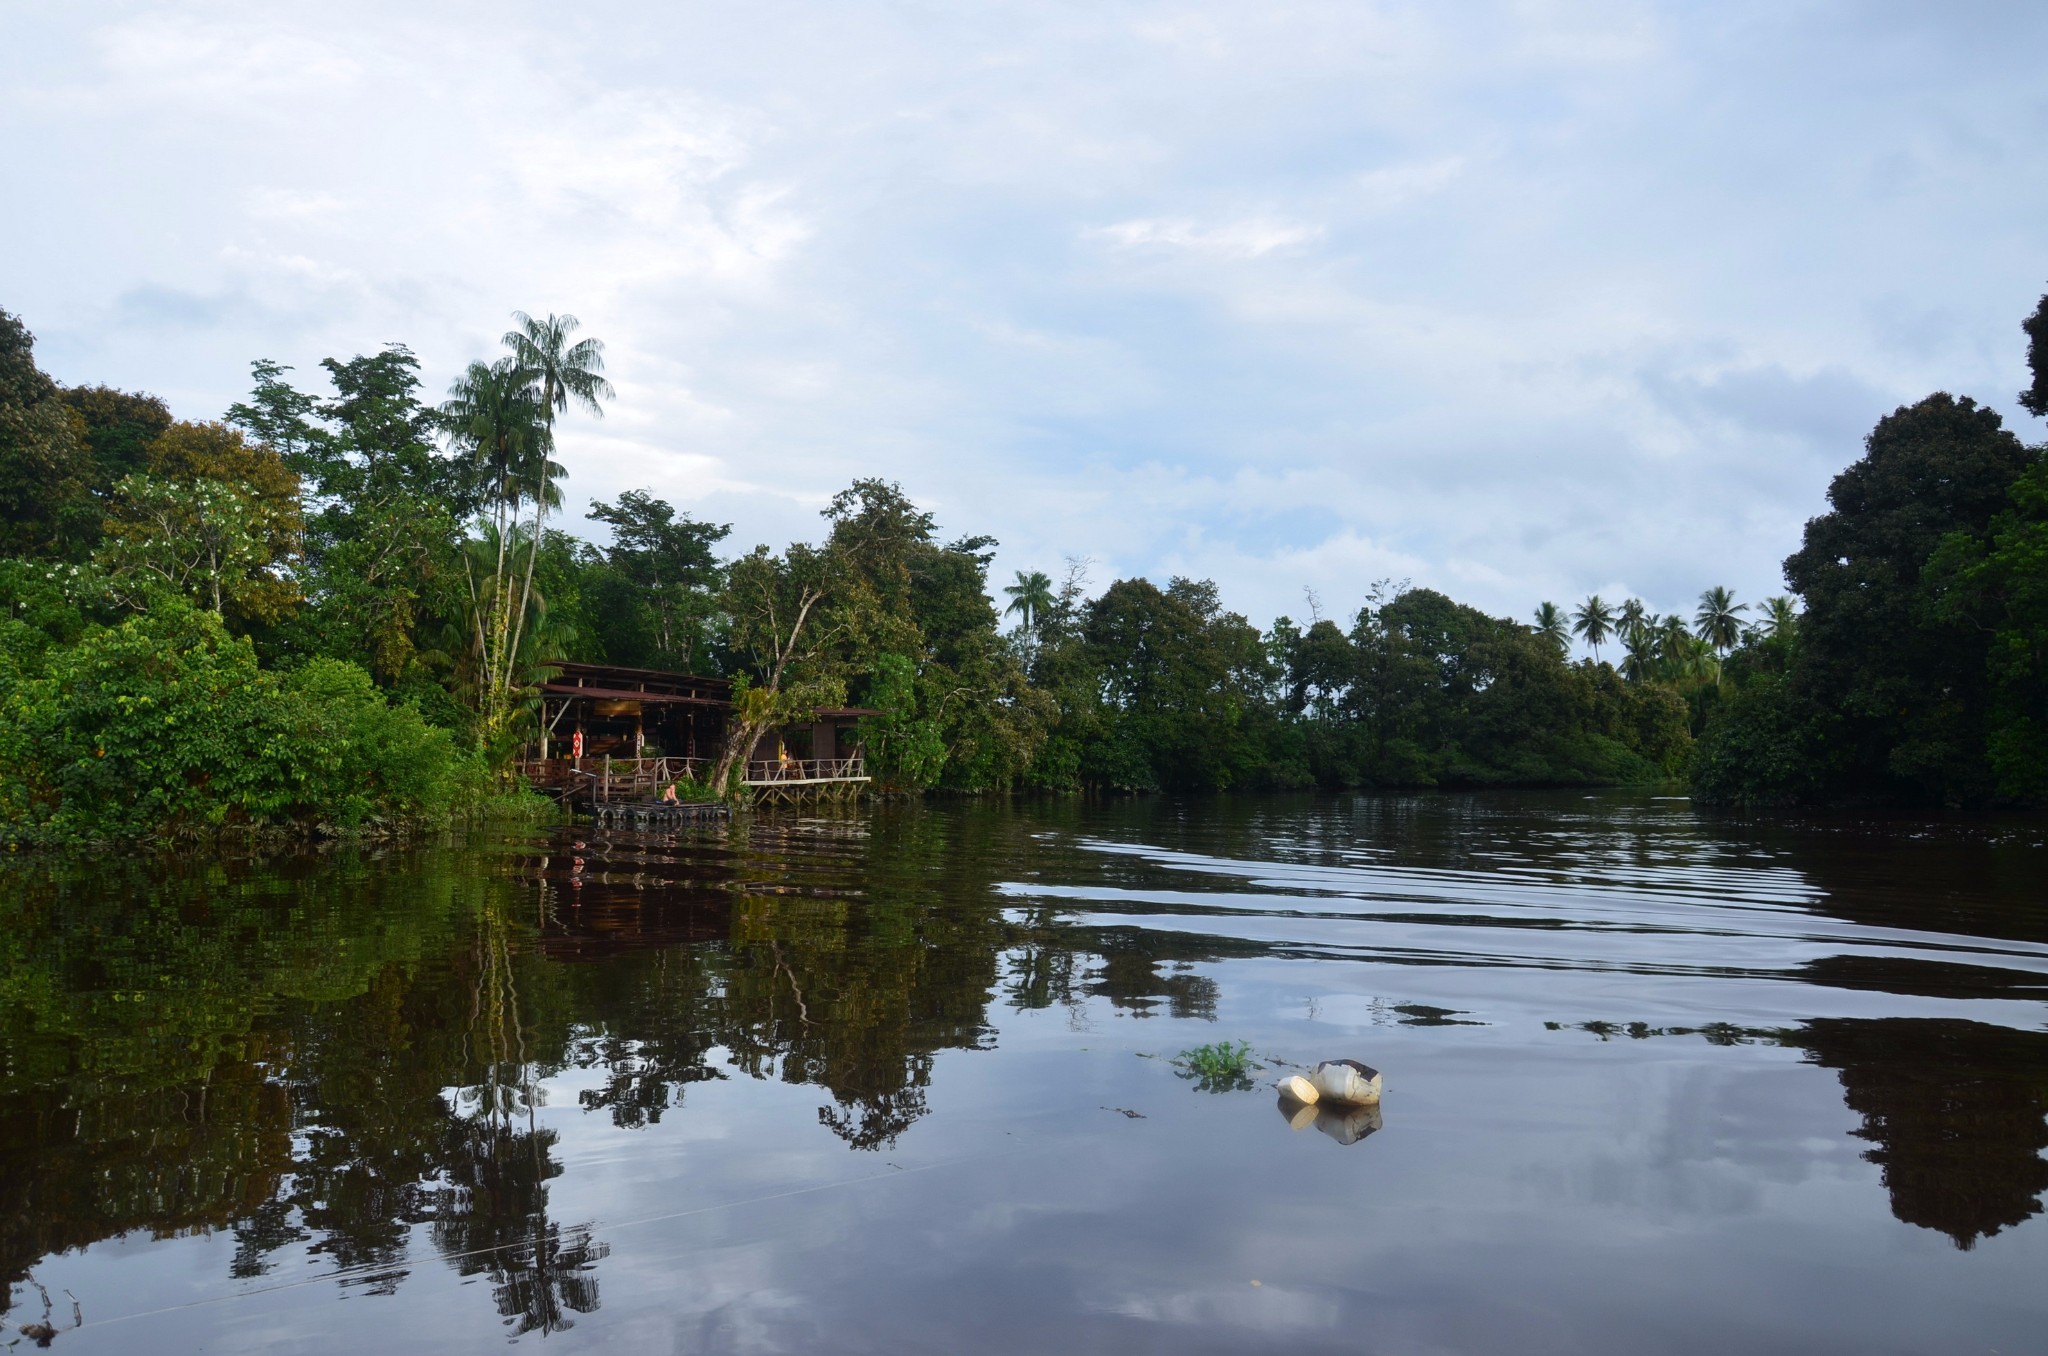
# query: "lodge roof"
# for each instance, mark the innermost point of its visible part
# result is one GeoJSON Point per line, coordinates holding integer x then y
{"type": "Point", "coordinates": [617, 681]}
{"type": "Point", "coordinates": [568, 669]}
{"type": "Point", "coordinates": [626, 694]}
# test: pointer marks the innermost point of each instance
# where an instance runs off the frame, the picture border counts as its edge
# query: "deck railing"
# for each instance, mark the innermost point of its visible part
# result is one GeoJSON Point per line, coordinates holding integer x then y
{"type": "Point", "coordinates": [604, 779]}
{"type": "Point", "coordinates": [773, 771]}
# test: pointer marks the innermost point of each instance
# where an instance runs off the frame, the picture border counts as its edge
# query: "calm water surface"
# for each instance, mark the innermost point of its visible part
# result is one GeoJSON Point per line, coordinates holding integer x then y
{"type": "Point", "coordinates": [903, 1082]}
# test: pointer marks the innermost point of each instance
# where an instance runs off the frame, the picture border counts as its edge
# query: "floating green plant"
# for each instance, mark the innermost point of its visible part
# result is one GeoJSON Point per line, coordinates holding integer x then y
{"type": "Point", "coordinates": [1221, 1066]}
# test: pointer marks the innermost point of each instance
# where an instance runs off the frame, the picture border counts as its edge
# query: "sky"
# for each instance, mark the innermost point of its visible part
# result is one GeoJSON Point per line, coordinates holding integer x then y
{"type": "Point", "coordinates": [1519, 301]}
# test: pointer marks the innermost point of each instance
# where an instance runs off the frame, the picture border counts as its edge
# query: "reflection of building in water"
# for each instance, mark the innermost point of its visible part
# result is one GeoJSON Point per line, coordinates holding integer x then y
{"type": "Point", "coordinates": [1958, 1112]}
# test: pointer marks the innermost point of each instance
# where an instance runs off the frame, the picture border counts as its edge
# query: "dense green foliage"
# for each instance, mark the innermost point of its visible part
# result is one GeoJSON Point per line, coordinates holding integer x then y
{"type": "Point", "coordinates": [1914, 675]}
{"type": "Point", "coordinates": [165, 724]}
{"type": "Point", "coordinates": [1163, 689]}
{"type": "Point", "coordinates": [189, 611]}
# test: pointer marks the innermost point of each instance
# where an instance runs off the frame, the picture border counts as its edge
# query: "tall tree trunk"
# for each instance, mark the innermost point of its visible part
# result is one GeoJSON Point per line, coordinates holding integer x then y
{"type": "Point", "coordinates": [740, 739]}
{"type": "Point", "coordinates": [746, 729]}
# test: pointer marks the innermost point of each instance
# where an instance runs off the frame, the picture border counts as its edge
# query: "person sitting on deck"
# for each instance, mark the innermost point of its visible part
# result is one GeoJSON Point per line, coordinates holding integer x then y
{"type": "Point", "coordinates": [668, 794]}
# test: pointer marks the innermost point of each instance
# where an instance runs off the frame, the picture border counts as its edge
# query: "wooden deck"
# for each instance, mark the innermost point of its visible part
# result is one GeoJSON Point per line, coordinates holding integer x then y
{"type": "Point", "coordinates": [797, 781]}
{"type": "Point", "coordinates": [594, 783]}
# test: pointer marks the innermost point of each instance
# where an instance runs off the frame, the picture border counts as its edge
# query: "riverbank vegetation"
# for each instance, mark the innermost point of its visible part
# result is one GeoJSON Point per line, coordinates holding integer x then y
{"type": "Point", "coordinates": [331, 607]}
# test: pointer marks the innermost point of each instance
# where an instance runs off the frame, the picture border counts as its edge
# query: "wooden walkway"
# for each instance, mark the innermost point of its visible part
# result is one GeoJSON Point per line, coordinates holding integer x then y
{"type": "Point", "coordinates": [801, 781]}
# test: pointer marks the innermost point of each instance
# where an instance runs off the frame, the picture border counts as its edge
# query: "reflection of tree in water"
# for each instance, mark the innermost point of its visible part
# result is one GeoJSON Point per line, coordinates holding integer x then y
{"type": "Point", "coordinates": [490, 1218]}
{"type": "Point", "coordinates": [854, 1001]}
{"type": "Point", "coordinates": [489, 1212]}
{"type": "Point", "coordinates": [151, 1084]}
{"type": "Point", "coordinates": [655, 1037]}
{"type": "Point", "coordinates": [873, 1120]}
{"type": "Point", "coordinates": [1040, 970]}
{"type": "Point", "coordinates": [281, 1054]}
{"type": "Point", "coordinates": [869, 953]}
{"type": "Point", "coordinates": [1958, 1111]}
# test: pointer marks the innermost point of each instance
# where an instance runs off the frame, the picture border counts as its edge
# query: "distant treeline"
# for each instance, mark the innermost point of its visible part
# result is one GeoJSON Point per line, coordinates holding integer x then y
{"type": "Point", "coordinates": [332, 607]}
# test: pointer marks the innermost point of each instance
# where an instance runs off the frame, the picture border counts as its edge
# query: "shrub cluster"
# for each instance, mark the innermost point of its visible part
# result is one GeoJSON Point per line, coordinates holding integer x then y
{"type": "Point", "coordinates": [165, 726]}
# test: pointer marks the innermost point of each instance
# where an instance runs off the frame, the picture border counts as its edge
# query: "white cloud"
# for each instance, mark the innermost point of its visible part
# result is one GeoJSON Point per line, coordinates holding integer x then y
{"type": "Point", "coordinates": [1518, 300]}
{"type": "Point", "coordinates": [1248, 239]}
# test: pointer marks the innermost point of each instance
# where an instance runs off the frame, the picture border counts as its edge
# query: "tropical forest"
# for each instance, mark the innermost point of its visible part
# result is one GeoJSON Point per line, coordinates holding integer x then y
{"type": "Point", "coordinates": [329, 607]}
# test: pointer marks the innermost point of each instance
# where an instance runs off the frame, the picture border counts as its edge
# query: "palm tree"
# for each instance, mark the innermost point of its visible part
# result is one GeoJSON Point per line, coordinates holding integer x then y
{"type": "Point", "coordinates": [1698, 661]}
{"type": "Point", "coordinates": [1595, 621]}
{"type": "Point", "coordinates": [1673, 643]}
{"type": "Point", "coordinates": [562, 372]}
{"type": "Point", "coordinates": [1719, 619]}
{"type": "Point", "coordinates": [1632, 618]}
{"type": "Point", "coordinates": [558, 372]}
{"type": "Point", "coordinates": [1639, 658]}
{"type": "Point", "coordinates": [1550, 624]}
{"type": "Point", "coordinates": [1030, 596]}
{"type": "Point", "coordinates": [493, 410]}
{"type": "Point", "coordinates": [1779, 621]}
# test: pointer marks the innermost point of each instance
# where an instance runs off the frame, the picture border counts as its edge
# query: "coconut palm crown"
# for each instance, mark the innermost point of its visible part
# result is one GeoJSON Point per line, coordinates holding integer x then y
{"type": "Point", "coordinates": [1595, 621]}
{"type": "Point", "coordinates": [1719, 619]}
{"type": "Point", "coordinates": [1780, 621]}
{"type": "Point", "coordinates": [1639, 655]}
{"type": "Point", "coordinates": [1632, 618]}
{"type": "Point", "coordinates": [561, 371]}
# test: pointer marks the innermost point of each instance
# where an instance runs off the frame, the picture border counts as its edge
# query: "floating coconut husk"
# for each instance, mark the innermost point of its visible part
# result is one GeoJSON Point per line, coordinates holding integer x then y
{"type": "Point", "coordinates": [1298, 1089]}
{"type": "Point", "coordinates": [1346, 1081]}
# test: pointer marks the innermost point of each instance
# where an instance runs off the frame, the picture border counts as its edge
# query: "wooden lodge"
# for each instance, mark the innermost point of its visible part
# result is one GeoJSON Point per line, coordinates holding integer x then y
{"type": "Point", "coordinates": [612, 736]}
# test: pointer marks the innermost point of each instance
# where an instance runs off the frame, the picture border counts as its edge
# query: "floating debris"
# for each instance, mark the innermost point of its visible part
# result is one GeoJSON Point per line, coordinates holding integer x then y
{"type": "Point", "coordinates": [1348, 1124]}
{"type": "Point", "coordinates": [1345, 1124]}
{"type": "Point", "coordinates": [1298, 1089]}
{"type": "Point", "coordinates": [1347, 1081]}
{"type": "Point", "coordinates": [1340, 1097]}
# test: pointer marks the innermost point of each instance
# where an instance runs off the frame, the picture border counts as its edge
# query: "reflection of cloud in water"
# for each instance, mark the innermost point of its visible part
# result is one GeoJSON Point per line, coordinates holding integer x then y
{"type": "Point", "coordinates": [1254, 1308]}
{"type": "Point", "coordinates": [1957, 1112]}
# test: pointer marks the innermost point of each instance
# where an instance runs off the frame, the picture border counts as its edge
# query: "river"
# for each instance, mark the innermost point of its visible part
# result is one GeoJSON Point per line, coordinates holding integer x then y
{"type": "Point", "coordinates": [905, 1080]}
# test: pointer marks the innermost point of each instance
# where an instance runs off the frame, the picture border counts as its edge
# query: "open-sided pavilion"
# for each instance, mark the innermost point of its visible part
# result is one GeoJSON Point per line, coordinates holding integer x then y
{"type": "Point", "coordinates": [610, 732]}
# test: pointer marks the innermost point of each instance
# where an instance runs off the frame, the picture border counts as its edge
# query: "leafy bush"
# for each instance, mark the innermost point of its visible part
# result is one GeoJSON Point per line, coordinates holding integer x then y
{"type": "Point", "coordinates": [1761, 752]}
{"type": "Point", "coordinates": [165, 726]}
